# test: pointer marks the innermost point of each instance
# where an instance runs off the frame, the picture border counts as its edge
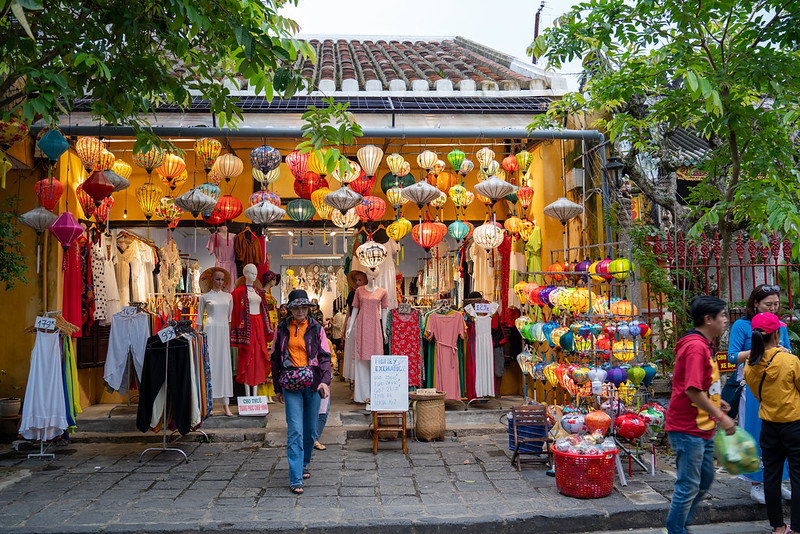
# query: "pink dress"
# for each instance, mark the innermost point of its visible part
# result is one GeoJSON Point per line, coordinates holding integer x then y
{"type": "Point", "coordinates": [222, 247]}
{"type": "Point", "coordinates": [369, 331]}
{"type": "Point", "coordinates": [446, 329]}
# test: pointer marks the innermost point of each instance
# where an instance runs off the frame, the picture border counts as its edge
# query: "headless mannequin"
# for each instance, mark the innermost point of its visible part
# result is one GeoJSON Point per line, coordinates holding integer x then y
{"type": "Point", "coordinates": [254, 301]}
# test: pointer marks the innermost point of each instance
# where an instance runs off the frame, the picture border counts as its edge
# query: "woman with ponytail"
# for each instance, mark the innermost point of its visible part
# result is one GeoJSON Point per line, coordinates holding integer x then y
{"type": "Point", "coordinates": [773, 376]}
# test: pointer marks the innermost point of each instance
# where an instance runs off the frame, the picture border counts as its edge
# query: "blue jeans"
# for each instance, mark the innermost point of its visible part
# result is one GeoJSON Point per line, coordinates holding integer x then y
{"type": "Point", "coordinates": [694, 458]}
{"type": "Point", "coordinates": [321, 422]}
{"type": "Point", "coordinates": [302, 412]}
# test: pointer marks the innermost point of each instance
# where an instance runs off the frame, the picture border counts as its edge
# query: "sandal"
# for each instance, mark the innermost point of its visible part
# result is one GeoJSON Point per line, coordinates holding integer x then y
{"type": "Point", "coordinates": [297, 490]}
{"type": "Point", "coordinates": [319, 446]}
{"type": "Point", "coordinates": [306, 474]}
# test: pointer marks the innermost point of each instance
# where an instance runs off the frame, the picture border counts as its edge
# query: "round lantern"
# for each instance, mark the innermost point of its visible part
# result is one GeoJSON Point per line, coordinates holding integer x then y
{"type": "Point", "coordinates": [484, 156]}
{"type": "Point", "coordinates": [620, 269]}
{"type": "Point", "coordinates": [207, 150]}
{"type": "Point", "coordinates": [630, 426]}
{"type": "Point", "coordinates": [456, 158]}
{"type": "Point", "coordinates": [88, 149]}
{"type": "Point", "coordinates": [53, 144]}
{"type": "Point", "coordinates": [427, 234]}
{"type": "Point", "coordinates": [426, 160]}
{"type": "Point", "coordinates": [650, 371]}
{"type": "Point", "coordinates": [525, 196]}
{"type": "Point", "coordinates": [524, 160]}
{"type": "Point", "coordinates": [623, 308]}
{"type": "Point", "coordinates": [352, 171]}
{"type": "Point", "coordinates": [85, 201]}
{"type": "Point", "coordinates": [97, 187]}
{"type": "Point", "coordinates": [364, 184]}
{"type": "Point", "coordinates": [149, 160]}
{"type": "Point", "coordinates": [347, 219]}
{"type": "Point", "coordinates": [597, 420]}
{"type": "Point", "coordinates": [494, 189]}
{"type": "Point", "coordinates": [66, 229]}
{"type": "Point", "coordinates": [297, 163]}
{"type": "Point", "coordinates": [574, 423]}
{"type": "Point", "coordinates": [105, 161]}
{"type": "Point", "coordinates": [211, 190]}
{"type": "Point", "coordinates": [395, 196]}
{"type": "Point", "coordinates": [555, 268]}
{"type": "Point", "coordinates": [466, 167]}
{"type": "Point", "coordinates": [343, 199]}
{"type": "Point", "coordinates": [229, 166]}
{"type": "Point", "coordinates": [170, 171]}
{"type": "Point", "coordinates": [510, 164]}
{"type": "Point", "coordinates": [48, 191]}
{"type": "Point", "coordinates": [149, 197]}
{"type": "Point", "coordinates": [513, 225]}
{"type": "Point", "coordinates": [458, 194]}
{"type": "Point", "coordinates": [311, 182]}
{"type": "Point", "coordinates": [371, 208]}
{"type": "Point", "coordinates": [318, 199]}
{"type": "Point", "coordinates": [488, 236]}
{"type": "Point", "coordinates": [229, 207]}
{"type": "Point", "coordinates": [369, 157]}
{"type": "Point", "coordinates": [264, 179]}
{"type": "Point", "coordinates": [371, 255]}
{"type": "Point", "coordinates": [259, 196]}
{"type": "Point", "coordinates": [395, 163]}
{"type": "Point", "coordinates": [398, 229]}
{"type": "Point", "coordinates": [616, 375]}
{"type": "Point", "coordinates": [214, 218]}
{"type": "Point", "coordinates": [636, 375]}
{"type": "Point", "coordinates": [122, 168]}
{"type": "Point", "coordinates": [264, 213]}
{"type": "Point", "coordinates": [653, 419]}
{"type": "Point", "coordinates": [265, 158]}
{"type": "Point", "coordinates": [214, 176]}
{"type": "Point", "coordinates": [300, 210]}
{"type": "Point", "coordinates": [169, 212]}
{"type": "Point", "coordinates": [38, 218]}
{"type": "Point", "coordinates": [444, 181]}
{"type": "Point", "coordinates": [458, 230]}
{"type": "Point", "coordinates": [390, 180]}
{"type": "Point", "coordinates": [195, 201]}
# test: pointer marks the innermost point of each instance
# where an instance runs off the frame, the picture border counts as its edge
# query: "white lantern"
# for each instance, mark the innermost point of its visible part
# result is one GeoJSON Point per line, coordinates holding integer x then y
{"type": "Point", "coordinates": [494, 188]}
{"type": "Point", "coordinates": [421, 193]}
{"type": "Point", "coordinates": [427, 160]}
{"type": "Point", "coordinates": [371, 254]}
{"type": "Point", "coordinates": [345, 220]}
{"type": "Point", "coordinates": [119, 182]}
{"type": "Point", "coordinates": [488, 236]}
{"type": "Point", "coordinates": [484, 156]}
{"type": "Point", "coordinates": [370, 158]}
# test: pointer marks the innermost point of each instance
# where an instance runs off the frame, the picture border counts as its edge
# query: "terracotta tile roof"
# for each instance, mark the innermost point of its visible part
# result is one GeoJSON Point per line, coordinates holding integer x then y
{"type": "Point", "coordinates": [449, 64]}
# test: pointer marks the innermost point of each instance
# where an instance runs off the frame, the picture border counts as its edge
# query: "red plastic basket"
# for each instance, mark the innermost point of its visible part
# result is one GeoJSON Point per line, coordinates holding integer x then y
{"type": "Point", "coordinates": [584, 476]}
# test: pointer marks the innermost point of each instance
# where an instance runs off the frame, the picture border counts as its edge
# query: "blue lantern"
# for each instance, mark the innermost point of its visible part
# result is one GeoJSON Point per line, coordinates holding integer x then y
{"type": "Point", "coordinates": [265, 158]}
{"type": "Point", "coordinates": [53, 144]}
{"type": "Point", "coordinates": [458, 230]}
{"type": "Point", "coordinates": [211, 190]}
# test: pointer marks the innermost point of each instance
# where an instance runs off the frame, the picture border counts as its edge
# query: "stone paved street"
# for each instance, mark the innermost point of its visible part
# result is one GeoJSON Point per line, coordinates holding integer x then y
{"type": "Point", "coordinates": [241, 487]}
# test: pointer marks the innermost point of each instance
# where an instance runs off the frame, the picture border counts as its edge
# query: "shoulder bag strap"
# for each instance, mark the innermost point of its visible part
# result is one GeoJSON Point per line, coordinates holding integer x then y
{"type": "Point", "coordinates": [761, 384]}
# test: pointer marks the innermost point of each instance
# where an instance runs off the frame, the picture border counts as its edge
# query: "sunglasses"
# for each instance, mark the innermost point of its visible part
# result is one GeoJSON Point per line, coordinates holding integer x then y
{"type": "Point", "coordinates": [769, 290]}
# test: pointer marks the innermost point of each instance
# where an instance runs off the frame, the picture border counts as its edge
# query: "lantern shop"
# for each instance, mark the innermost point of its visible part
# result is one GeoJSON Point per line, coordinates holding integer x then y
{"type": "Point", "coordinates": [448, 232]}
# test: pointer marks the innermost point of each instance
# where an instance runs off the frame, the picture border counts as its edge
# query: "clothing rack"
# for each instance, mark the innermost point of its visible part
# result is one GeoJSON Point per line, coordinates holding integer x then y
{"type": "Point", "coordinates": [179, 327]}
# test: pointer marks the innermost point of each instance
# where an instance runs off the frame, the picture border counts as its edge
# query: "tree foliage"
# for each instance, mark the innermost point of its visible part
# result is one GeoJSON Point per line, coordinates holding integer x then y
{"type": "Point", "coordinates": [328, 128]}
{"type": "Point", "coordinates": [726, 70]}
{"type": "Point", "coordinates": [129, 57]}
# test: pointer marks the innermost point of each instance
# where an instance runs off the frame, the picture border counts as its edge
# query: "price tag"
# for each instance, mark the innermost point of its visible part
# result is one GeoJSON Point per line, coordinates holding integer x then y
{"type": "Point", "coordinates": [45, 323]}
{"type": "Point", "coordinates": [483, 307]}
{"type": "Point", "coordinates": [166, 334]}
{"type": "Point", "coordinates": [128, 311]}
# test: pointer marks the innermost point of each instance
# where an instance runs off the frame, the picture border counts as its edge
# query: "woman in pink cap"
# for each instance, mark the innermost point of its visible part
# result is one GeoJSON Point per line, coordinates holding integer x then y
{"type": "Point", "coordinates": [773, 375]}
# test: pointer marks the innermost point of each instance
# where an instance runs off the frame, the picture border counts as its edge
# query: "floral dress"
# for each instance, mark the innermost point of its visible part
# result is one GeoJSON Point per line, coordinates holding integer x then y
{"type": "Point", "coordinates": [406, 342]}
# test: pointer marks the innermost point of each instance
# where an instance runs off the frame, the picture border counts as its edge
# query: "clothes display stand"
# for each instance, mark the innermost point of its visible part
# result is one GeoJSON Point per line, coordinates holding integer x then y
{"type": "Point", "coordinates": [166, 335]}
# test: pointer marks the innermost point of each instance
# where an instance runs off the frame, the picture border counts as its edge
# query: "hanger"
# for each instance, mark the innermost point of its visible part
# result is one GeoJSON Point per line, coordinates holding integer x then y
{"type": "Point", "coordinates": [62, 325]}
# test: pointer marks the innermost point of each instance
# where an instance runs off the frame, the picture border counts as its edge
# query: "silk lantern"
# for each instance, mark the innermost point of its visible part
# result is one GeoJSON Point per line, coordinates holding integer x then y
{"type": "Point", "coordinates": [398, 229]}
{"type": "Point", "coordinates": [265, 158]}
{"type": "Point", "coordinates": [343, 199]}
{"type": "Point", "coordinates": [300, 210]}
{"type": "Point", "coordinates": [352, 171]}
{"type": "Point", "coordinates": [171, 171]}
{"type": "Point", "coordinates": [316, 162]}
{"type": "Point", "coordinates": [395, 196]}
{"type": "Point", "coordinates": [88, 149]}
{"type": "Point", "coordinates": [120, 183]}
{"type": "Point", "coordinates": [40, 220]}
{"type": "Point", "coordinates": [207, 150]}
{"type": "Point", "coordinates": [149, 197]}
{"type": "Point", "coordinates": [445, 180]}
{"type": "Point", "coordinates": [427, 234]}
{"type": "Point", "coordinates": [466, 167]}
{"type": "Point", "coordinates": [371, 208]}
{"type": "Point", "coordinates": [347, 219]}
{"type": "Point", "coordinates": [264, 213]}
{"type": "Point", "coordinates": [426, 160]}
{"type": "Point", "coordinates": [311, 182]}
{"type": "Point", "coordinates": [363, 184]}
{"type": "Point", "coordinates": [268, 178]}
{"type": "Point", "coordinates": [318, 199]}
{"type": "Point", "coordinates": [85, 201]}
{"type": "Point", "coordinates": [66, 229]}
{"type": "Point", "coordinates": [97, 187]}
{"type": "Point", "coordinates": [494, 189]}
{"type": "Point", "coordinates": [229, 166]}
{"type": "Point", "coordinates": [103, 210]}
{"type": "Point", "coordinates": [153, 158]}
{"type": "Point", "coordinates": [510, 164]}
{"type": "Point", "coordinates": [105, 161]}
{"type": "Point", "coordinates": [229, 207]}
{"type": "Point", "coordinates": [297, 163]}
{"type": "Point", "coordinates": [395, 163]}
{"type": "Point", "coordinates": [488, 236]}
{"type": "Point", "coordinates": [214, 218]}
{"type": "Point", "coordinates": [122, 168]}
{"type": "Point", "coordinates": [371, 255]}
{"type": "Point", "coordinates": [421, 193]}
{"type": "Point", "coordinates": [524, 160]}
{"type": "Point", "coordinates": [458, 230]}
{"type": "Point", "coordinates": [456, 158]}
{"type": "Point", "coordinates": [525, 196]}
{"type": "Point", "coordinates": [213, 191]}
{"type": "Point", "coordinates": [53, 144]}
{"type": "Point", "coordinates": [49, 192]}
{"type": "Point", "coordinates": [440, 201]}
{"type": "Point", "coordinates": [484, 156]}
{"type": "Point", "coordinates": [169, 211]}
{"type": "Point", "coordinates": [370, 157]}
{"type": "Point", "coordinates": [195, 201]}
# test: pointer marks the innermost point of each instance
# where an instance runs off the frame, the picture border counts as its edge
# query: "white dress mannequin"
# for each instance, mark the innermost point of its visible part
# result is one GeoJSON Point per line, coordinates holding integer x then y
{"type": "Point", "coordinates": [219, 306]}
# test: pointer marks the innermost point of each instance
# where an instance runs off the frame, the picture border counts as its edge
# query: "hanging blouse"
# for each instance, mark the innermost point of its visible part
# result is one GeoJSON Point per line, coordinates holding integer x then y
{"type": "Point", "coordinates": [446, 329]}
{"type": "Point", "coordinates": [248, 248]}
{"type": "Point", "coordinates": [406, 342]}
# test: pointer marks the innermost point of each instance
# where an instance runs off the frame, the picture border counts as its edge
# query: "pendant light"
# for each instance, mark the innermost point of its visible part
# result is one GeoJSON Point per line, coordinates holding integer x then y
{"type": "Point", "coordinates": [66, 229]}
{"type": "Point", "coordinates": [426, 160]}
{"type": "Point", "coordinates": [456, 158]}
{"type": "Point", "coordinates": [395, 163]}
{"type": "Point", "coordinates": [318, 199]}
{"type": "Point", "coordinates": [371, 208]}
{"type": "Point", "coordinates": [484, 156]}
{"type": "Point", "coordinates": [173, 171]}
{"type": "Point", "coordinates": [228, 166]}
{"type": "Point", "coordinates": [88, 149]}
{"type": "Point", "coordinates": [421, 193]}
{"type": "Point", "coordinates": [264, 213]}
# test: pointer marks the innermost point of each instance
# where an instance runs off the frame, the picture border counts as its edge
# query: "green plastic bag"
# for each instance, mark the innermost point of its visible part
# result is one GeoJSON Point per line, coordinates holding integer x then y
{"type": "Point", "coordinates": [737, 453]}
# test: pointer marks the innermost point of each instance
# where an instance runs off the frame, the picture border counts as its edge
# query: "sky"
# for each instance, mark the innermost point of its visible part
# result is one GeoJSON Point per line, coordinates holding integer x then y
{"type": "Point", "coordinates": [505, 25]}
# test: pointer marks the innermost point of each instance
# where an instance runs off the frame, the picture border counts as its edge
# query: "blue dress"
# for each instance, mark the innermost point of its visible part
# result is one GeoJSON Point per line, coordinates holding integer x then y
{"type": "Point", "coordinates": [740, 340]}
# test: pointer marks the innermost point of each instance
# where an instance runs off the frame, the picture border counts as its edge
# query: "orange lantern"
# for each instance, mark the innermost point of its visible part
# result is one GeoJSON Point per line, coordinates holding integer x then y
{"type": "Point", "coordinates": [555, 268]}
{"type": "Point", "coordinates": [623, 308]}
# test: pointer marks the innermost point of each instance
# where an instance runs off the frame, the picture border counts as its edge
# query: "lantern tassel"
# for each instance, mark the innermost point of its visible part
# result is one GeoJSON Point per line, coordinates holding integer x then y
{"type": "Point", "coordinates": [38, 246]}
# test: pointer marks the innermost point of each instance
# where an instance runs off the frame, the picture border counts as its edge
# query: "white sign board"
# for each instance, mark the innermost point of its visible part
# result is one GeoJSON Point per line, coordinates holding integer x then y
{"type": "Point", "coordinates": [129, 311]}
{"type": "Point", "coordinates": [483, 307]}
{"type": "Point", "coordinates": [389, 384]}
{"type": "Point", "coordinates": [256, 405]}
{"type": "Point", "coordinates": [45, 323]}
{"type": "Point", "coordinates": [166, 334]}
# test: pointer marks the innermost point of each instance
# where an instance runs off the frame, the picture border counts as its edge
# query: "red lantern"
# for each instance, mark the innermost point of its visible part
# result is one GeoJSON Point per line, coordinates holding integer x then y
{"type": "Point", "coordinates": [215, 219]}
{"type": "Point", "coordinates": [630, 426]}
{"type": "Point", "coordinates": [364, 184]}
{"type": "Point", "coordinates": [525, 196]}
{"type": "Point", "coordinates": [510, 164]}
{"type": "Point", "coordinates": [98, 187]}
{"type": "Point", "coordinates": [310, 182]}
{"type": "Point", "coordinates": [427, 234]}
{"type": "Point", "coordinates": [229, 207]}
{"type": "Point", "coordinates": [371, 208]}
{"type": "Point", "coordinates": [297, 163]}
{"type": "Point", "coordinates": [86, 202]}
{"type": "Point", "coordinates": [101, 212]}
{"type": "Point", "coordinates": [49, 192]}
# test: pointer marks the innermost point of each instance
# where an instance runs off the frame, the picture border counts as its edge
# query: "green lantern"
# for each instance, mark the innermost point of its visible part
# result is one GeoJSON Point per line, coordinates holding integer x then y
{"type": "Point", "coordinates": [300, 210]}
{"type": "Point", "coordinates": [456, 158]}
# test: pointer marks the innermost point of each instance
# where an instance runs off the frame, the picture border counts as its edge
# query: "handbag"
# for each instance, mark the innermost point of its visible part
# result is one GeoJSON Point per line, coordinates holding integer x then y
{"type": "Point", "coordinates": [296, 378]}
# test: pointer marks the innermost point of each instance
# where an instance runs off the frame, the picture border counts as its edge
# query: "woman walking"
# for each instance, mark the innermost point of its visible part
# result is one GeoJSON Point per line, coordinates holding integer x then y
{"type": "Point", "coordinates": [773, 376]}
{"type": "Point", "coordinates": [301, 368]}
{"type": "Point", "coordinates": [763, 299]}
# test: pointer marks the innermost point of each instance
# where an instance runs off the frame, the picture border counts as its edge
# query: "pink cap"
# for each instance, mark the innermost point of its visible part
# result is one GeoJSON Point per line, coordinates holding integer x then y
{"type": "Point", "coordinates": [767, 322]}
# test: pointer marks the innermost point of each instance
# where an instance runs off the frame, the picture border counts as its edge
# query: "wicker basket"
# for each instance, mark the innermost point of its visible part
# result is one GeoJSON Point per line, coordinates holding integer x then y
{"type": "Point", "coordinates": [429, 414]}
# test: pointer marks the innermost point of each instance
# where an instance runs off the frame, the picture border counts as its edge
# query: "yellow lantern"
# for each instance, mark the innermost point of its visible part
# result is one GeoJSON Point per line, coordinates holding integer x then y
{"type": "Point", "coordinates": [600, 305]}
{"type": "Point", "coordinates": [623, 350]}
{"type": "Point", "coordinates": [440, 201]}
{"type": "Point", "coordinates": [485, 200]}
{"type": "Point", "coordinates": [470, 198]}
{"type": "Point", "coordinates": [524, 160]}
{"type": "Point", "coordinates": [207, 149]}
{"type": "Point", "coordinates": [173, 171]}
{"type": "Point", "coordinates": [550, 374]}
{"type": "Point", "coordinates": [395, 196]}
{"type": "Point", "coordinates": [519, 290]}
{"type": "Point", "coordinates": [89, 149]}
{"type": "Point", "coordinates": [214, 176]}
{"type": "Point", "coordinates": [627, 392]}
{"type": "Point", "coordinates": [122, 168]}
{"type": "Point", "coordinates": [526, 230]}
{"type": "Point", "coordinates": [398, 229]}
{"type": "Point", "coordinates": [105, 161]}
{"type": "Point", "coordinates": [149, 198]}
{"type": "Point", "coordinates": [316, 162]}
{"type": "Point", "coordinates": [458, 194]}
{"type": "Point", "coordinates": [513, 225]}
{"type": "Point", "coordinates": [395, 163]}
{"type": "Point", "coordinates": [322, 208]}
{"type": "Point", "coordinates": [484, 156]}
{"type": "Point", "coordinates": [493, 168]}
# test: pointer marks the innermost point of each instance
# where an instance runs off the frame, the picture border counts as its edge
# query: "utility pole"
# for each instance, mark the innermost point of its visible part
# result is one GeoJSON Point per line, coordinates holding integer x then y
{"type": "Point", "coordinates": [536, 27]}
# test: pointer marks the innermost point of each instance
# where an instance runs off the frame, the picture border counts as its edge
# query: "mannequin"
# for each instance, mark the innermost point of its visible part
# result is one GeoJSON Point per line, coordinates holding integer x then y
{"type": "Point", "coordinates": [251, 331]}
{"type": "Point", "coordinates": [368, 323]}
{"type": "Point", "coordinates": [218, 304]}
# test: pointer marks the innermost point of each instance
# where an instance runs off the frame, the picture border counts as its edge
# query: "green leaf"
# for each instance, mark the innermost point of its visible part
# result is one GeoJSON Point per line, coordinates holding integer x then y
{"type": "Point", "coordinates": [18, 12]}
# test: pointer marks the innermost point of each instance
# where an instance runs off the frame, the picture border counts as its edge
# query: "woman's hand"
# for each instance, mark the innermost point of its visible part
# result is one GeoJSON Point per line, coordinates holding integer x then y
{"type": "Point", "coordinates": [323, 387]}
{"type": "Point", "coordinates": [279, 397]}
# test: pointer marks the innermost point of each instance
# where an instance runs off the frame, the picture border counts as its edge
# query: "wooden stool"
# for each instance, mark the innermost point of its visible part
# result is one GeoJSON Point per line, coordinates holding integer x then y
{"type": "Point", "coordinates": [390, 425]}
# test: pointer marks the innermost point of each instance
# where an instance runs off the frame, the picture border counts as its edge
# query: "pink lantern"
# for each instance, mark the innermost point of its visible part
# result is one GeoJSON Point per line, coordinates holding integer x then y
{"type": "Point", "coordinates": [66, 229]}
